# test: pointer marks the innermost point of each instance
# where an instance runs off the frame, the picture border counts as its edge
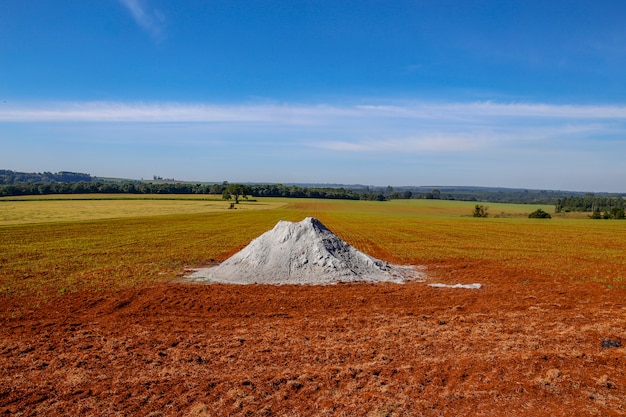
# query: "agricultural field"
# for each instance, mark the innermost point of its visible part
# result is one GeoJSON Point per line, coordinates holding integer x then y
{"type": "Point", "coordinates": [76, 207]}
{"type": "Point", "coordinates": [97, 320]}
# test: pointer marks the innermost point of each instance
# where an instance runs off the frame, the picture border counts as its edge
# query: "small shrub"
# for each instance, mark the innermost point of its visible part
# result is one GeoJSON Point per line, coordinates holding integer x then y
{"type": "Point", "coordinates": [539, 214]}
{"type": "Point", "coordinates": [480, 211]}
{"type": "Point", "coordinates": [596, 215]}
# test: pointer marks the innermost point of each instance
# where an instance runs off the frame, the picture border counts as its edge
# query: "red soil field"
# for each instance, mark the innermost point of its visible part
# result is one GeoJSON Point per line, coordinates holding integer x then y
{"type": "Point", "coordinates": [175, 349]}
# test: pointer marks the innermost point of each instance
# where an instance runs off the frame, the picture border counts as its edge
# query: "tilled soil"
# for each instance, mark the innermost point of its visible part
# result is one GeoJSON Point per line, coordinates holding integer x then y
{"type": "Point", "coordinates": [521, 345]}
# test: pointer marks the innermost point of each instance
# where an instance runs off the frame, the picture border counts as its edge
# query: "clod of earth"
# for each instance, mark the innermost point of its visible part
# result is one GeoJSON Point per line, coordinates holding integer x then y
{"type": "Point", "coordinates": [609, 343]}
{"type": "Point", "coordinates": [302, 253]}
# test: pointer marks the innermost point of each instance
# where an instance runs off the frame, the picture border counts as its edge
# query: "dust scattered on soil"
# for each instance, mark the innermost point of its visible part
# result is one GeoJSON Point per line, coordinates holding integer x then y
{"type": "Point", "coordinates": [303, 253]}
{"type": "Point", "coordinates": [466, 286]}
{"type": "Point", "coordinates": [382, 349]}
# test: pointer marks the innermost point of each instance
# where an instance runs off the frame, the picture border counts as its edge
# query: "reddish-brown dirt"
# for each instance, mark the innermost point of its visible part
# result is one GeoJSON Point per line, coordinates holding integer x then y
{"type": "Point", "coordinates": [522, 345]}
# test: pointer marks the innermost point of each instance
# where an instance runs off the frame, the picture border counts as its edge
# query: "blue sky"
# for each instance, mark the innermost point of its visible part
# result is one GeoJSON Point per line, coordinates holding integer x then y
{"type": "Point", "coordinates": [527, 94]}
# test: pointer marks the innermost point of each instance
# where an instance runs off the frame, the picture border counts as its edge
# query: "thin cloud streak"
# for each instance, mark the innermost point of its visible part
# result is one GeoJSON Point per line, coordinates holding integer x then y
{"type": "Point", "coordinates": [172, 112]}
{"type": "Point", "coordinates": [427, 143]}
{"type": "Point", "coordinates": [153, 22]}
{"type": "Point", "coordinates": [491, 109]}
{"type": "Point", "coordinates": [299, 114]}
{"type": "Point", "coordinates": [398, 128]}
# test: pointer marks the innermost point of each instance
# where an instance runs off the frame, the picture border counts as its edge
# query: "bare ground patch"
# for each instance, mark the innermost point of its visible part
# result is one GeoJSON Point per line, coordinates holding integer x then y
{"type": "Point", "coordinates": [353, 349]}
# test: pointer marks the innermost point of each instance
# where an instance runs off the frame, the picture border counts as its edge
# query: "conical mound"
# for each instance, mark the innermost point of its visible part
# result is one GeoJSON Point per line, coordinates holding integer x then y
{"type": "Point", "coordinates": [302, 253]}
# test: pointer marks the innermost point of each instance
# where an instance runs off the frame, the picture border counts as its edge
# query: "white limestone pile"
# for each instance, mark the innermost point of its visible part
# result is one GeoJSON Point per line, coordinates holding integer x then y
{"type": "Point", "coordinates": [302, 253]}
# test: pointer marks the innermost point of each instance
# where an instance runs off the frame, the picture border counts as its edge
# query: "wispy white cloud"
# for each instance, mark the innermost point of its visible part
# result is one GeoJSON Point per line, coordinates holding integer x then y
{"type": "Point", "coordinates": [152, 21]}
{"type": "Point", "coordinates": [390, 128]}
{"type": "Point", "coordinates": [302, 113]}
{"type": "Point", "coordinates": [434, 142]}
{"type": "Point", "coordinates": [491, 109]}
{"type": "Point", "coordinates": [175, 112]}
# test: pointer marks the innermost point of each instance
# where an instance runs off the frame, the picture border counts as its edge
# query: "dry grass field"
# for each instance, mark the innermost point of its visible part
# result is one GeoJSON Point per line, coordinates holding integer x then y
{"type": "Point", "coordinates": [96, 320]}
{"type": "Point", "coordinates": [73, 208]}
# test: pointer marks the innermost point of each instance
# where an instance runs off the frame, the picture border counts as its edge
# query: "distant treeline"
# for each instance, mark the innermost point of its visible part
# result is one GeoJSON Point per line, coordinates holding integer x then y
{"type": "Point", "coordinates": [12, 177]}
{"type": "Point", "coordinates": [99, 187]}
{"type": "Point", "coordinates": [601, 207]}
{"type": "Point", "coordinates": [102, 187]}
{"type": "Point", "coordinates": [20, 183]}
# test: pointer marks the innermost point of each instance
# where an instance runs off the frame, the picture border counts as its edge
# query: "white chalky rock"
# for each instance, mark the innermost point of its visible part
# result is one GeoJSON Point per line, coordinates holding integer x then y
{"type": "Point", "coordinates": [302, 253]}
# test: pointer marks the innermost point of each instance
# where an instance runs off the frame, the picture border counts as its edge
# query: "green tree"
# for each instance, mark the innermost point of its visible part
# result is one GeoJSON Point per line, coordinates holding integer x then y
{"type": "Point", "coordinates": [618, 213]}
{"type": "Point", "coordinates": [236, 191]}
{"type": "Point", "coordinates": [436, 195]}
{"type": "Point", "coordinates": [480, 211]}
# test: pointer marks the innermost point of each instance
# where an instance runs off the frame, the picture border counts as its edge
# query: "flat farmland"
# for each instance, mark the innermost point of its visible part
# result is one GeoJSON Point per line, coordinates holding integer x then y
{"type": "Point", "coordinates": [72, 208]}
{"type": "Point", "coordinates": [97, 321]}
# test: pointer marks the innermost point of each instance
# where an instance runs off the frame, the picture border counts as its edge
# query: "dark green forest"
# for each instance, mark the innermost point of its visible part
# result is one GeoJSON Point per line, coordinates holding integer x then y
{"type": "Point", "coordinates": [19, 184]}
{"type": "Point", "coordinates": [601, 207]}
{"type": "Point", "coordinates": [13, 177]}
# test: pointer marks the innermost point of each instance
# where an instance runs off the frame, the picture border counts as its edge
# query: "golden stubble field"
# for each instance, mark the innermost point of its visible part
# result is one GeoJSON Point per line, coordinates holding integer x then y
{"type": "Point", "coordinates": [96, 321]}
